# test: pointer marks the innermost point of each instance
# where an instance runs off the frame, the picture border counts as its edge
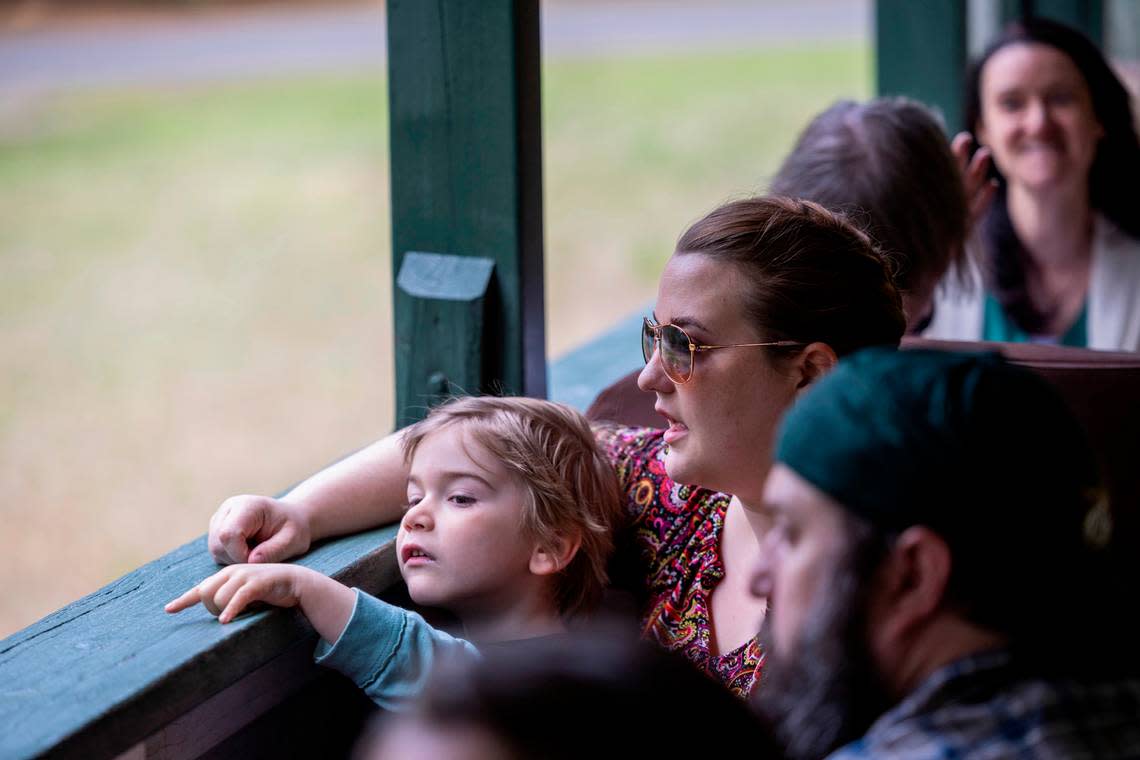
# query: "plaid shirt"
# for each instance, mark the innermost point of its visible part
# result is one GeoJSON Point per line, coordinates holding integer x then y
{"type": "Point", "coordinates": [982, 707]}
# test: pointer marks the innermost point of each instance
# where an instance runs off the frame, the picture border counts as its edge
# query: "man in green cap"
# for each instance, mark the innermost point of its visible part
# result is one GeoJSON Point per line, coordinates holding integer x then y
{"type": "Point", "coordinates": [935, 523]}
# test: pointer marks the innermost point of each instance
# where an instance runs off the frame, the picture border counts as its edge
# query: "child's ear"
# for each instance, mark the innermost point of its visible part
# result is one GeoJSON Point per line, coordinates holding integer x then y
{"type": "Point", "coordinates": [553, 557]}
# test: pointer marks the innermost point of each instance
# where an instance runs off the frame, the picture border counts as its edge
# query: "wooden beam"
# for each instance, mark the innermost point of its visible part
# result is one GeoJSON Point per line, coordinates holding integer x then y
{"type": "Point", "coordinates": [112, 671]}
{"type": "Point", "coordinates": [921, 53]}
{"type": "Point", "coordinates": [445, 299]}
{"type": "Point", "coordinates": [467, 181]}
{"type": "Point", "coordinates": [1086, 15]}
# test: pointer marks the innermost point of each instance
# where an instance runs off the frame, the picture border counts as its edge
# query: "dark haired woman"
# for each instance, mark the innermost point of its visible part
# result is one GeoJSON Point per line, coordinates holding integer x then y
{"type": "Point", "coordinates": [1060, 244]}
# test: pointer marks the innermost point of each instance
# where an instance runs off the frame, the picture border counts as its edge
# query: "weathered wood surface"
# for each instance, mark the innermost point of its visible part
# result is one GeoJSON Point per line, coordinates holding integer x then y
{"type": "Point", "coordinates": [110, 670]}
{"type": "Point", "coordinates": [445, 298]}
{"type": "Point", "coordinates": [465, 135]}
{"type": "Point", "coordinates": [445, 277]}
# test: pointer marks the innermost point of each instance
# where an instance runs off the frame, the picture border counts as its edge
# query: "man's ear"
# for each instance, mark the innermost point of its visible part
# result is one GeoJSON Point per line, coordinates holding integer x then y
{"type": "Point", "coordinates": [815, 361]}
{"type": "Point", "coordinates": [911, 584]}
{"type": "Point", "coordinates": [551, 558]}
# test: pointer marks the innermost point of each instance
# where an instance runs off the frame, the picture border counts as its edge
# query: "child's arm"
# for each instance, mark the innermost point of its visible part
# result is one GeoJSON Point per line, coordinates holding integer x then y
{"type": "Point", "coordinates": [390, 652]}
{"type": "Point", "coordinates": [361, 491]}
{"type": "Point", "coordinates": [387, 651]}
{"type": "Point", "coordinates": [326, 603]}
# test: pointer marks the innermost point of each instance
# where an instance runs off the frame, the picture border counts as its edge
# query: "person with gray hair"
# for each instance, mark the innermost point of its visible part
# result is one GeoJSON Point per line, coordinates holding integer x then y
{"type": "Point", "coordinates": [887, 165]}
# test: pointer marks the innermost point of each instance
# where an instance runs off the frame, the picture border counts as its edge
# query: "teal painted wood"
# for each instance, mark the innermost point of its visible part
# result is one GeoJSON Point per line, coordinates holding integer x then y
{"type": "Point", "coordinates": [444, 277]}
{"type": "Point", "coordinates": [921, 53]}
{"type": "Point", "coordinates": [466, 173]}
{"type": "Point", "coordinates": [578, 376]}
{"type": "Point", "coordinates": [1086, 15]}
{"type": "Point", "coordinates": [1122, 29]}
{"type": "Point", "coordinates": [106, 672]}
{"type": "Point", "coordinates": [444, 297]}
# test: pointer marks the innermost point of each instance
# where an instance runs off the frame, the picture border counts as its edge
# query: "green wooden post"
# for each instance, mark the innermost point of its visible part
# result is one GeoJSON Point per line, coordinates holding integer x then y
{"type": "Point", "coordinates": [1086, 15]}
{"type": "Point", "coordinates": [921, 53]}
{"type": "Point", "coordinates": [464, 84]}
{"type": "Point", "coordinates": [446, 296]}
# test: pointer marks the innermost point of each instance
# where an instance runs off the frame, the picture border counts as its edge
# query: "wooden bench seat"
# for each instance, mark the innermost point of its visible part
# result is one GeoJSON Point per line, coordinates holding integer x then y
{"type": "Point", "coordinates": [1101, 387]}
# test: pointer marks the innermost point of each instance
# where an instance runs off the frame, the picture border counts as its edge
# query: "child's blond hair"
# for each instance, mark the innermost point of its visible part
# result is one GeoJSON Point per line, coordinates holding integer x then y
{"type": "Point", "coordinates": [571, 488]}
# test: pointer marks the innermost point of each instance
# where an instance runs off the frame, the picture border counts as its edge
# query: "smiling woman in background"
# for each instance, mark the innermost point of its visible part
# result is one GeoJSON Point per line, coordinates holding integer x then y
{"type": "Point", "coordinates": [1060, 255]}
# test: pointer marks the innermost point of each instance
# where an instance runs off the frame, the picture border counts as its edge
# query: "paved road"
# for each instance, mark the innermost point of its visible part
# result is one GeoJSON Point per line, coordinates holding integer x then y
{"type": "Point", "coordinates": [275, 41]}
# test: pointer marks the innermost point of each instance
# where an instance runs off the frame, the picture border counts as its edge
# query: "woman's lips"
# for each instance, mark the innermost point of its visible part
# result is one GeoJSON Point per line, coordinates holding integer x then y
{"type": "Point", "coordinates": [676, 429]}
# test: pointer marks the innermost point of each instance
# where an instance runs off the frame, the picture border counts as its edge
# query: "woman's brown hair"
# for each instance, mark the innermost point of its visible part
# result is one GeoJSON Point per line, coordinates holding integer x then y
{"type": "Point", "coordinates": [812, 274]}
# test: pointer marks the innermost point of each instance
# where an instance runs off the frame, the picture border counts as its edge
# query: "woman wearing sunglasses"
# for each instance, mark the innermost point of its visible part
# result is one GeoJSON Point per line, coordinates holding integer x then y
{"type": "Point", "coordinates": [759, 300]}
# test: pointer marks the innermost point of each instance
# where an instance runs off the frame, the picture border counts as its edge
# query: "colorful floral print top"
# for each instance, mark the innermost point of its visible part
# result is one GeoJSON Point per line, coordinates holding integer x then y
{"type": "Point", "coordinates": [675, 531]}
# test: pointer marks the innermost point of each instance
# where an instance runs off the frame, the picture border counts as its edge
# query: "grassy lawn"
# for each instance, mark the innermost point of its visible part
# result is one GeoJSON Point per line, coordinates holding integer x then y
{"type": "Point", "coordinates": [195, 299]}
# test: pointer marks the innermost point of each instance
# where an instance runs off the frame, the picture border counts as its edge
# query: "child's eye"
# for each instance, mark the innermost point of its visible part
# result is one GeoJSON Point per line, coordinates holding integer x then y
{"type": "Point", "coordinates": [412, 501]}
{"type": "Point", "coordinates": [463, 500]}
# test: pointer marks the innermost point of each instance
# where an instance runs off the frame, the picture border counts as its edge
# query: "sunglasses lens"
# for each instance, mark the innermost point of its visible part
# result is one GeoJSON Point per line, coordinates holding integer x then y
{"type": "Point", "coordinates": [647, 340]}
{"type": "Point", "coordinates": [675, 357]}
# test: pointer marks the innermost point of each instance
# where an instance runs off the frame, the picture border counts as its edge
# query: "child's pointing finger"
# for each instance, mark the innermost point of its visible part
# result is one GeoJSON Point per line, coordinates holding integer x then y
{"type": "Point", "coordinates": [189, 599]}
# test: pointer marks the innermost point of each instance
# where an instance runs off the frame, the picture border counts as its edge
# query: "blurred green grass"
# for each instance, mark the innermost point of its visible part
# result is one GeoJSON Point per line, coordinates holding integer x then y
{"type": "Point", "coordinates": [195, 297]}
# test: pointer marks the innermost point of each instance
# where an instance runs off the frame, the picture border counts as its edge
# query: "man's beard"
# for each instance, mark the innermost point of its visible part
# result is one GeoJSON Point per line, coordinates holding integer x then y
{"type": "Point", "coordinates": [826, 692]}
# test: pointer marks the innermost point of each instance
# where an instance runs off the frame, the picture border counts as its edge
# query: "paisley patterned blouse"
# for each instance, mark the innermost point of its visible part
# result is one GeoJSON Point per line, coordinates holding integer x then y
{"type": "Point", "coordinates": [675, 530]}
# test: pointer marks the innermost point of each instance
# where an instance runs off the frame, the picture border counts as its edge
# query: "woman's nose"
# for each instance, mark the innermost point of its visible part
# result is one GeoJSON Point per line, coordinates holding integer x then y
{"type": "Point", "coordinates": [1037, 117]}
{"type": "Point", "coordinates": [652, 378]}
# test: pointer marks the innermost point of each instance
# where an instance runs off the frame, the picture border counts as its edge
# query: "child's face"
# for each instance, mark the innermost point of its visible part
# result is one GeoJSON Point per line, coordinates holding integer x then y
{"type": "Point", "coordinates": [460, 544]}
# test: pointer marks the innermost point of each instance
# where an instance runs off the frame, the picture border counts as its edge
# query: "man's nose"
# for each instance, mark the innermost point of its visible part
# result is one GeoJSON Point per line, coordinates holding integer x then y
{"type": "Point", "coordinates": [760, 585]}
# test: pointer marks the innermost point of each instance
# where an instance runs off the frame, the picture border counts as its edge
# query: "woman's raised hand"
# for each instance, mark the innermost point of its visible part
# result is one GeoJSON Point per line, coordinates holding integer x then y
{"type": "Point", "coordinates": [978, 186]}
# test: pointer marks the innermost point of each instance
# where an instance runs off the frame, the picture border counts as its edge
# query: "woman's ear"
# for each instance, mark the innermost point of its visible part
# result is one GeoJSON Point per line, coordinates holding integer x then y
{"type": "Point", "coordinates": [815, 361]}
{"type": "Point", "coordinates": [551, 558]}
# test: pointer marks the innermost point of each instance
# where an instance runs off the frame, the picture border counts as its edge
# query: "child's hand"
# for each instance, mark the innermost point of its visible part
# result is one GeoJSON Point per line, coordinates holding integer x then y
{"type": "Point", "coordinates": [228, 592]}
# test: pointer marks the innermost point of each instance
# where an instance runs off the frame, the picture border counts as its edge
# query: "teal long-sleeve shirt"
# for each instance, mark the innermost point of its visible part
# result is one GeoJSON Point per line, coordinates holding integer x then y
{"type": "Point", "coordinates": [388, 651]}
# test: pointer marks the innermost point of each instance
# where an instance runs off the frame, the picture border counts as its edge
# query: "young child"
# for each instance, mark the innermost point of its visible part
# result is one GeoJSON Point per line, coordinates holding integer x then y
{"type": "Point", "coordinates": [511, 508]}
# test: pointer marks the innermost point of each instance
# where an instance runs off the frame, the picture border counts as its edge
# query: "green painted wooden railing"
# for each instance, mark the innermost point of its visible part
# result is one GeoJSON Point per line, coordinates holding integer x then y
{"type": "Point", "coordinates": [112, 673]}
